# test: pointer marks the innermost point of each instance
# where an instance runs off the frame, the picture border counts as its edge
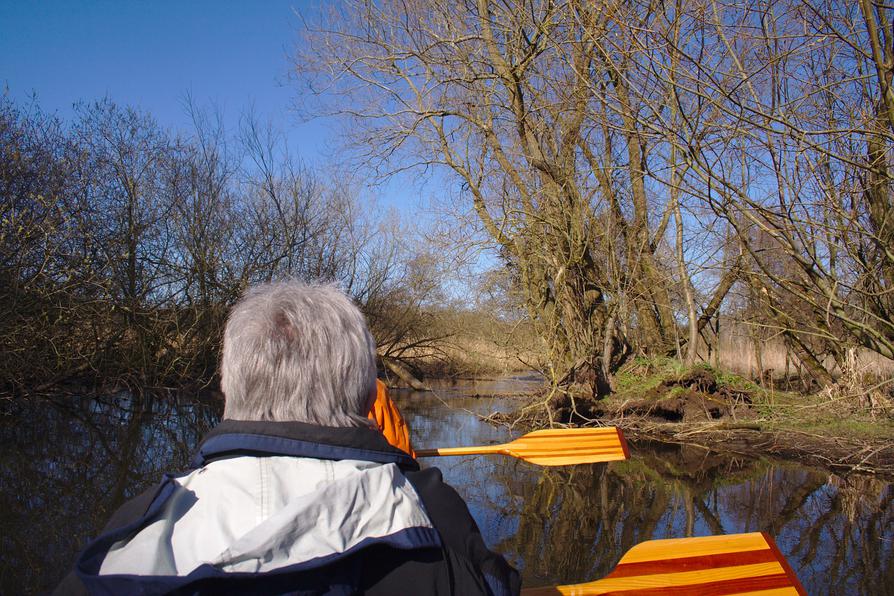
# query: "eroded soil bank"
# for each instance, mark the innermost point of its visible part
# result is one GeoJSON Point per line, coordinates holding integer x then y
{"type": "Point", "coordinates": [838, 454]}
{"type": "Point", "coordinates": [701, 407]}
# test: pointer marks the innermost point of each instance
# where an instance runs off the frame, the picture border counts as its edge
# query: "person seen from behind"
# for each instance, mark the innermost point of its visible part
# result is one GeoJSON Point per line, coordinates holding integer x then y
{"type": "Point", "coordinates": [295, 491]}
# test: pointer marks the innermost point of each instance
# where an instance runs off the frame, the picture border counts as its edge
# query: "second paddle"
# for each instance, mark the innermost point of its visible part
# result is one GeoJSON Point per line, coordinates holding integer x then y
{"type": "Point", "coordinates": [553, 447]}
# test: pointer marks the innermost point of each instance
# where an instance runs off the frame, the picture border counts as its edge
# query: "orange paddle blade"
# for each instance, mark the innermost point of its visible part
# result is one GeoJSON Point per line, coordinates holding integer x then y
{"type": "Point", "coordinates": [553, 447]}
{"type": "Point", "coordinates": [733, 564]}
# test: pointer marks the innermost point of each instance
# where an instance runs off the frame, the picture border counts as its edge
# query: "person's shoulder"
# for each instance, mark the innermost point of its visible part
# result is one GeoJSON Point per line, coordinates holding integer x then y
{"type": "Point", "coordinates": [461, 537]}
{"type": "Point", "coordinates": [442, 503]}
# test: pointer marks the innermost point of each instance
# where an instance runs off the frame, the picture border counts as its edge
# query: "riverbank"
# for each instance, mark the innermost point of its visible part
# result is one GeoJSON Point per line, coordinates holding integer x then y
{"type": "Point", "coordinates": [842, 429]}
{"type": "Point", "coordinates": [839, 454]}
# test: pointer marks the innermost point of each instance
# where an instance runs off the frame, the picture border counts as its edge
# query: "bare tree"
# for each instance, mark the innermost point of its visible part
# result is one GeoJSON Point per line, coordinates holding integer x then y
{"type": "Point", "coordinates": [123, 245]}
{"type": "Point", "coordinates": [579, 131]}
{"type": "Point", "coordinates": [534, 106]}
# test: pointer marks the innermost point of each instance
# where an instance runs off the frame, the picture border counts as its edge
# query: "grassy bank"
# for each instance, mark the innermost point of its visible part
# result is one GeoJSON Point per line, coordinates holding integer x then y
{"type": "Point", "coordinates": [844, 427]}
{"type": "Point", "coordinates": [844, 409]}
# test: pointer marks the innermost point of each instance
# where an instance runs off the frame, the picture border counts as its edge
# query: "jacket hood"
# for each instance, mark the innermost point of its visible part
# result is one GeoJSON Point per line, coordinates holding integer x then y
{"type": "Point", "coordinates": [265, 498]}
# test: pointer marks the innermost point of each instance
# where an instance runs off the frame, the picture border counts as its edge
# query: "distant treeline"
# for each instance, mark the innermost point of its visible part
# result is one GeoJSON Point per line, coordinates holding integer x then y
{"type": "Point", "coordinates": [123, 244]}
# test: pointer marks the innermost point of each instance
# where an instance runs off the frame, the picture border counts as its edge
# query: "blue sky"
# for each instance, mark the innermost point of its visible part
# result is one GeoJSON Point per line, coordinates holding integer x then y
{"type": "Point", "coordinates": [224, 53]}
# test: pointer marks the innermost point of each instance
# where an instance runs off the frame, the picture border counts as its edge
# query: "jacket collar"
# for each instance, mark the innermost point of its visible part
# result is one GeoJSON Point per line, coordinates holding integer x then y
{"type": "Point", "coordinates": [298, 439]}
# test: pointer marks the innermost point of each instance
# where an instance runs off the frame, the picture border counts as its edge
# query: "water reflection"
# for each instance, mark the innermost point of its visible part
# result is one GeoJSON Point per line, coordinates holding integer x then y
{"type": "Point", "coordinates": [65, 467]}
{"type": "Point", "coordinates": [568, 525]}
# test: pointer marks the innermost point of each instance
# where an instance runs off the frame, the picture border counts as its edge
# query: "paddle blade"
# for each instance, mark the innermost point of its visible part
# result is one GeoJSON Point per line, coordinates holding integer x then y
{"type": "Point", "coordinates": [553, 447]}
{"type": "Point", "coordinates": [733, 564]}
{"type": "Point", "coordinates": [570, 446]}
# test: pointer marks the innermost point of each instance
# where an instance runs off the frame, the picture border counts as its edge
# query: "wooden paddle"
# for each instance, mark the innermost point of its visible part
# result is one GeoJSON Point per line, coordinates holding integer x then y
{"type": "Point", "coordinates": [732, 564]}
{"type": "Point", "coordinates": [553, 447]}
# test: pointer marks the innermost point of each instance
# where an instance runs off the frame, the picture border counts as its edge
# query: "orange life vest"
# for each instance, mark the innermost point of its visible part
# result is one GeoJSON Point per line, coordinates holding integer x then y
{"type": "Point", "coordinates": [389, 420]}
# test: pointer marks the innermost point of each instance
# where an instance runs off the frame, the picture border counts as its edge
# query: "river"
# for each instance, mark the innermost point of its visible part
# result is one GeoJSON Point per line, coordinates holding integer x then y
{"type": "Point", "coordinates": [65, 465]}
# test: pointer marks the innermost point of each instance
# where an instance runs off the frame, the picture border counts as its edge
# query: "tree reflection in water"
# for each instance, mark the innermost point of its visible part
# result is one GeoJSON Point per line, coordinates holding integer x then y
{"type": "Point", "coordinates": [568, 525]}
{"type": "Point", "coordinates": [65, 467]}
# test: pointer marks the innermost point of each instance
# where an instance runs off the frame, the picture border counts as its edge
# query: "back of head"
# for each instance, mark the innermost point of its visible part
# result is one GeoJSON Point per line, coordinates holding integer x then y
{"type": "Point", "coordinates": [296, 351]}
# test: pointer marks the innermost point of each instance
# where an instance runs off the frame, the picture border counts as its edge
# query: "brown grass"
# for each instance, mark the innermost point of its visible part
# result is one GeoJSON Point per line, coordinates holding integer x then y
{"type": "Point", "coordinates": [480, 346]}
{"type": "Point", "coordinates": [737, 353]}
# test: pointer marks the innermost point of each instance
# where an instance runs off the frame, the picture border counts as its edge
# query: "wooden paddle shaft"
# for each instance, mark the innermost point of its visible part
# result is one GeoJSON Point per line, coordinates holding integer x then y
{"type": "Point", "coordinates": [484, 449]}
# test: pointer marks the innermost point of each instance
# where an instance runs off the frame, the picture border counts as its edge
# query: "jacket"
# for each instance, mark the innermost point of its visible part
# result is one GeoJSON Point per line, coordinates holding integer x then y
{"type": "Point", "coordinates": [288, 507]}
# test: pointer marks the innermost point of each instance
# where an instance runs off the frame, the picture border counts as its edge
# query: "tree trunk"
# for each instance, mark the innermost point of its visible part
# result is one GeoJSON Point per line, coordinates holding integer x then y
{"type": "Point", "coordinates": [404, 375]}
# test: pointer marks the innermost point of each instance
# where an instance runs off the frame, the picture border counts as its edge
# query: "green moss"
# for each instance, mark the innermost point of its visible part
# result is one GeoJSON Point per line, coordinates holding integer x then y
{"type": "Point", "coordinates": [645, 374]}
{"type": "Point", "coordinates": [776, 410]}
{"type": "Point", "coordinates": [675, 391]}
{"type": "Point", "coordinates": [728, 379]}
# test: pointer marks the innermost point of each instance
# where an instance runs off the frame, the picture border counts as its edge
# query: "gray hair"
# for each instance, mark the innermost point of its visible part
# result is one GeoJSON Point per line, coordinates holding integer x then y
{"type": "Point", "coordinates": [296, 351]}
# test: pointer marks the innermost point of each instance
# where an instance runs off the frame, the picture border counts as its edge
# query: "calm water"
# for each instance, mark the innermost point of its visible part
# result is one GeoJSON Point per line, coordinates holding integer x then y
{"type": "Point", "coordinates": [63, 469]}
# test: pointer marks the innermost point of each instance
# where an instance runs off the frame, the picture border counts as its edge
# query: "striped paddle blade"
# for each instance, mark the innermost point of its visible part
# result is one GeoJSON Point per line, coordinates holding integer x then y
{"type": "Point", "coordinates": [733, 564]}
{"type": "Point", "coordinates": [553, 447]}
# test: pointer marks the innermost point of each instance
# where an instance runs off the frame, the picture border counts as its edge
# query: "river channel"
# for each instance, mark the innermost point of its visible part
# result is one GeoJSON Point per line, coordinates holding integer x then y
{"type": "Point", "coordinates": [65, 465]}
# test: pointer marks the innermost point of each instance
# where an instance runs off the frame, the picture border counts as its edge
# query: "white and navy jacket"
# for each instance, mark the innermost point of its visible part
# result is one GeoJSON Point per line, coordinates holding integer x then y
{"type": "Point", "coordinates": [293, 508]}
